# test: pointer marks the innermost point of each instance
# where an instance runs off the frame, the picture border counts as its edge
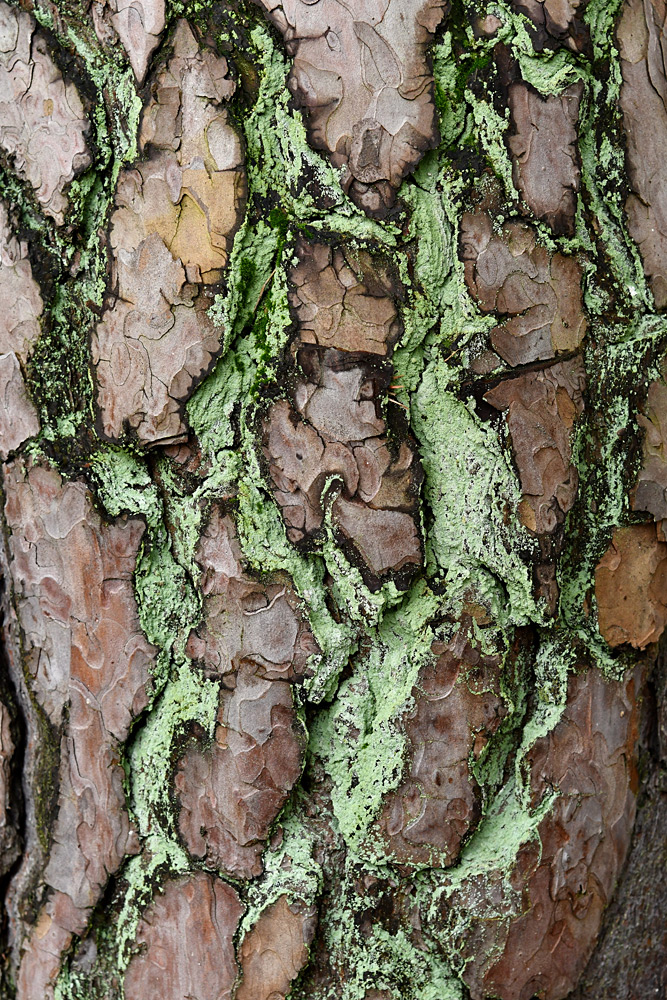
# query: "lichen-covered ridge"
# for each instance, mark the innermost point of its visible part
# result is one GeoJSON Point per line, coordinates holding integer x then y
{"type": "Point", "coordinates": [333, 478]}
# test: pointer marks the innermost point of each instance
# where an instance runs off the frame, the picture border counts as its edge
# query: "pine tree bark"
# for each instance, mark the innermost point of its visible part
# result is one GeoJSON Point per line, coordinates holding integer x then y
{"type": "Point", "coordinates": [333, 440]}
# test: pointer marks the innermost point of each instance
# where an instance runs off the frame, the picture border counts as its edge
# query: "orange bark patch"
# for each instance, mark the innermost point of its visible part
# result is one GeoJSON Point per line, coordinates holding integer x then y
{"type": "Point", "coordinates": [631, 587]}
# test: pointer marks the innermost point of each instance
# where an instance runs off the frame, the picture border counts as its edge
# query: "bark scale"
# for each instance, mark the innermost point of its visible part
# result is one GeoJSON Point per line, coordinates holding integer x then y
{"type": "Point", "coordinates": [333, 430]}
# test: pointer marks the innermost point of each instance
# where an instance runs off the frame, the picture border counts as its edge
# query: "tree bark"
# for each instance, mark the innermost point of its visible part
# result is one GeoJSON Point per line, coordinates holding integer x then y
{"type": "Point", "coordinates": [333, 440]}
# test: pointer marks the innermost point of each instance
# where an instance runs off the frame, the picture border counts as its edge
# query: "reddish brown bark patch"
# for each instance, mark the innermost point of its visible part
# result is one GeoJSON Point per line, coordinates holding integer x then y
{"type": "Point", "coordinates": [562, 885]}
{"type": "Point", "coordinates": [187, 935]}
{"type": "Point", "coordinates": [18, 416]}
{"type": "Point", "coordinates": [641, 39]}
{"type": "Point", "coordinates": [334, 435]}
{"type": "Point", "coordinates": [650, 493]}
{"type": "Point", "coordinates": [545, 166]}
{"type": "Point", "coordinates": [20, 300]}
{"type": "Point", "coordinates": [511, 275]}
{"type": "Point", "coordinates": [361, 71]}
{"type": "Point", "coordinates": [231, 793]}
{"type": "Point", "coordinates": [542, 408]}
{"type": "Point", "coordinates": [138, 24]}
{"type": "Point", "coordinates": [275, 950]}
{"type": "Point", "coordinates": [246, 621]}
{"type": "Point", "coordinates": [254, 636]}
{"type": "Point", "coordinates": [631, 587]}
{"type": "Point", "coordinates": [88, 665]}
{"type": "Point", "coordinates": [344, 299]}
{"type": "Point", "coordinates": [457, 709]}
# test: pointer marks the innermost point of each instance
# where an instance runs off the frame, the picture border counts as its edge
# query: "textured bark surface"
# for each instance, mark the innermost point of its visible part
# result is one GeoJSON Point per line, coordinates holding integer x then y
{"type": "Point", "coordinates": [361, 71]}
{"type": "Point", "coordinates": [511, 275]}
{"type": "Point", "coordinates": [88, 671]}
{"type": "Point", "coordinates": [544, 154]}
{"type": "Point", "coordinates": [564, 880]}
{"type": "Point", "coordinates": [43, 122]}
{"type": "Point", "coordinates": [176, 213]}
{"type": "Point", "coordinates": [187, 935]}
{"type": "Point", "coordinates": [641, 38]}
{"type": "Point", "coordinates": [137, 25]}
{"type": "Point", "coordinates": [333, 436]}
{"type": "Point", "coordinates": [457, 708]}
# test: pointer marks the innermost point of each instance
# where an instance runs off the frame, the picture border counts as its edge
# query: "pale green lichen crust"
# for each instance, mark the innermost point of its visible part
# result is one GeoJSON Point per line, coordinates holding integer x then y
{"type": "Point", "coordinates": [373, 642]}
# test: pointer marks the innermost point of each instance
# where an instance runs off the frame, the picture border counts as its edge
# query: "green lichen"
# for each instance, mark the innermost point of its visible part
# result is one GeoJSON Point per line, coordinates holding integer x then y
{"type": "Point", "coordinates": [359, 739]}
{"type": "Point", "coordinates": [373, 643]}
{"type": "Point", "coordinates": [475, 541]}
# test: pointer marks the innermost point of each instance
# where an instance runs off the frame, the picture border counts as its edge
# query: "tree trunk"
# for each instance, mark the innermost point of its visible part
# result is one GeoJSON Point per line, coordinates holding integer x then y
{"type": "Point", "coordinates": [333, 422]}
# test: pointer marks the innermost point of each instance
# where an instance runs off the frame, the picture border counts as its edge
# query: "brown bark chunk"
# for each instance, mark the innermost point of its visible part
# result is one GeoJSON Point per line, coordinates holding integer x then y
{"type": "Point", "coordinates": [510, 274]}
{"type": "Point", "coordinates": [231, 793]}
{"type": "Point", "coordinates": [344, 299]}
{"type": "Point", "coordinates": [347, 322]}
{"type": "Point", "coordinates": [545, 166]}
{"type": "Point", "coordinates": [457, 708]}
{"type": "Point", "coordinates": [650, 493]}
{"type": "Point", "coordinates": [88, 664]}
{"type": "Point", "coordinates": [254, 636]}
{"type": "Point", "coordinates": [275, 950]}
{"type": "Point", "coordinates": [564, 885]}
{"type": "Point", "coordinates": [137, 23]}
{"type": "Point", "coordinates": [631, 587]}
{"type": "Point", "coordinates": [42, 120]}
{"type": "Point", "coordinates": [542, 407]}
{"type": "Point", "coordinates": [9, 840]}
{"type": "Point", "coordinates": [246, 621]}
{"type": "Point", "coordinates": [361, 71]}
{"type": "Point", "coordinates": [18, 416]}
{"type": "Point", "coordinates": [20, 300]}
{"type": "Point", "coordinates": [642, 43]}
{"type": "Point", "coordinates": [557, 22]}
{"type": "Point", "coordinates": [188, 936]}
{"type": "Point", "coordinates": [385, 539]}
{"type": "Point", "coordinates": [176, 214]}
